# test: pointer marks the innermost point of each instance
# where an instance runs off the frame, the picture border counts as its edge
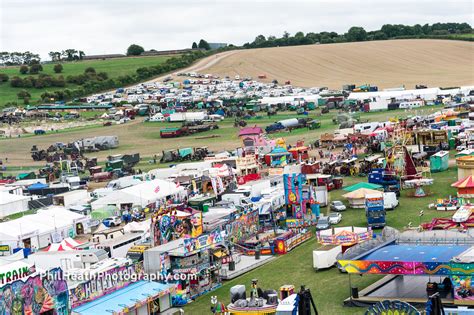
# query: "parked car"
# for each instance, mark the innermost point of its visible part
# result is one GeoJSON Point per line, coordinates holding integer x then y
{"type": "Point", "coordinates": [112, 221]}
{"type": "Point", "coordinates": [323, 223]}
{"type": "Point", "coordinates": [335, 217]}
{"type": "Point", "coordinates": [337, 206]}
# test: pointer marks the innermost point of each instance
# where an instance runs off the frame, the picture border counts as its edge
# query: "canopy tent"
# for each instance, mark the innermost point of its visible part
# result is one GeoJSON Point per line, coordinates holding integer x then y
{"type": "Point", "coordinates": [465, 187]}
{"type": "Point", "coordinates": [37, 186]}
{"type": "Point", "coordinates": [40, 227]}
{"type": "Point", "coordinates": [356, 198]}
{"type": "Point", "coordinates": [11, 204]}
{"type": "Point", "coordinates": [362, 185]}
{"type": "Point", "coordinates": [142, 194]}
{"type": "Point", "coordinates": [65, 245]}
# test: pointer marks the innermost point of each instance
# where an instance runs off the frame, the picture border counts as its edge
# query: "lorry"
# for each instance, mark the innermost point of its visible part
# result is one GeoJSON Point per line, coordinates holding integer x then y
{"type": "Point", "coordinates": [238, 199]}
{"type": "Point", "coordinates": [187, 116]}
{"type": "Point", "coordinates": [325, 256]}
{"type": "Point", "coordinates": [374, 210]}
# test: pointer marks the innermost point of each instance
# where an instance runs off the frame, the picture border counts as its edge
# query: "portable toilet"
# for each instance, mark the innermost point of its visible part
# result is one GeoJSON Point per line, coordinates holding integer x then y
{"type": "Point", "coordinates": [439, 161]}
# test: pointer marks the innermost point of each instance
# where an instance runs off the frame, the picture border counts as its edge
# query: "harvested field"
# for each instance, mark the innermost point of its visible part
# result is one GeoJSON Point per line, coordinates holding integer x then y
{"type": "Point", "coordinates": [391, 63]}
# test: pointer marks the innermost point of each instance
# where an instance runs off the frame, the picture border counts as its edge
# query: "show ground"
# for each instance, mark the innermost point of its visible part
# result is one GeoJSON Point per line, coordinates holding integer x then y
{"type": "Point", "coordinates": [329, 287]}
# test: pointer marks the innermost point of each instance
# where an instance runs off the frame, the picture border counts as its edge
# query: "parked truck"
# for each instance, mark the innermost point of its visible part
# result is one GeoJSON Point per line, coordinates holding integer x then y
{"type": "Point", "coordinates": [187, 116]}
{"type": "Point", "coordinates": [375, 210]}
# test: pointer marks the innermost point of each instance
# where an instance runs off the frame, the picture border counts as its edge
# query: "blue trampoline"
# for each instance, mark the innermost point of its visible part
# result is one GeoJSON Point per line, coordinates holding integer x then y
{"type": "Point", "coordinates": [123, 298]}
{"type": "Point", "coordinates": [416, 253]}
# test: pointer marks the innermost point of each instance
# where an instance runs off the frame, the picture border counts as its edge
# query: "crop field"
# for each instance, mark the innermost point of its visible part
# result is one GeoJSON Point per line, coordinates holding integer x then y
{"type": "Point", "coordinates": [113, 67]}
{"type": "Point", "coordinates": [137, 136]}
{"type": "Point", "coordinates": [386, 64]}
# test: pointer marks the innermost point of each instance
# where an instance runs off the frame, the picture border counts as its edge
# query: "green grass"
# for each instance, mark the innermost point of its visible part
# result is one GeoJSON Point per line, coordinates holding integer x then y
{"type": "Point", "coordinates": [113, 67]}
{"type": "Point", "coordinates": [462, 36]}
{"type": "Point", "coordinates": [330, 287]}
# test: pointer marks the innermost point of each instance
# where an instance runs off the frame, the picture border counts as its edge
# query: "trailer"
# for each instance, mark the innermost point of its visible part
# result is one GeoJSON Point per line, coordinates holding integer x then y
{"type": "Point", "coordinates": [187, 116]}
{"type": "Point", "coordinates": [170, 132]}
{"type": "Point", "coordinates": [325, 256]}
{"type": "Point", "coordinates": [70, 198]}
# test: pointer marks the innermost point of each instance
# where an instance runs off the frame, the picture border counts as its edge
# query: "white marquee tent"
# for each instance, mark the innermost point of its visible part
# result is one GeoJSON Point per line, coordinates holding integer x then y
{"type": "Point", "coordinates": [142, 194]}
{"type": "Point", "coordinates": [11, 204]}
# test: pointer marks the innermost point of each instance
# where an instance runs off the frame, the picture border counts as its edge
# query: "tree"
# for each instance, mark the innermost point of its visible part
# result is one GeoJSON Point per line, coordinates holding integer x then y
{"type": "Point", "coordinates": [24, 69]}
{"type": "Point", "coordinates": [356, 34]}
{"type": "Point", "coordinates": [58, 68]}
{"type": "Point", "coordinates": [81, 54]}
{"type": "Point", "coordinates": [89, 71]}
{"type": "Point", "coordinates": [194, 46]}
{"type": "Point", "coordinates": [16, 82]}
{"type": "Point", "coordinates": [204, 45]}
{"type": "Point", "coordinates": [35, 68]}
{"type": "Point", "coordinates": [22, 94]}
{"type": "Point", "coordinates": [69, 54]}
{"type": "Point", "coordinates": [135, 50]}
{"type": "Point", "coordinates": [3, 77]}
{"type": "Point", "coordinates": [259, 40]}
{"type": "Point", "coordinates": [380, 35]}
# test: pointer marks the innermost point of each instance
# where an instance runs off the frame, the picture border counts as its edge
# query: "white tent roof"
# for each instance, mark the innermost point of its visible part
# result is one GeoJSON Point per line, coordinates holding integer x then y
{"type": "Point", "coordinates": [43, 221]}
{"type": "Point", "coordinates": [6, 198]}
{"type": "Point", "coordinates": [141, 194]}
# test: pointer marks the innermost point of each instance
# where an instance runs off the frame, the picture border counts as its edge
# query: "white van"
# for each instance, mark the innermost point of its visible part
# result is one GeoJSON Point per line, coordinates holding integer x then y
{"type": "Point", "coordinates": [390, 201]}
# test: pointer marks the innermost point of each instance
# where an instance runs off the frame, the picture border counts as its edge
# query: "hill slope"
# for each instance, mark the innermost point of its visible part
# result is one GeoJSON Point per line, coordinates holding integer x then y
{"type": "Point", "coordinates": [383, 63]}
{"type": "Point", "coordinates": [113, 67]}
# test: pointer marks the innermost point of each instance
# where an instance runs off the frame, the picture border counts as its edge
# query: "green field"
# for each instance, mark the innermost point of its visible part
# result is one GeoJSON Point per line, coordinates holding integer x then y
{"type": "Point", "coordinates": [113, 67]}
{"type": "Point", "coordinates": [330, 287]}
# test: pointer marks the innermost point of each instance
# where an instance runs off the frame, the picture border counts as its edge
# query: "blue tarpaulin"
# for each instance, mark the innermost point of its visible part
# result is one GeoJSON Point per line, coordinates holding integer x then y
{"type": "Point", "coordinates": [37, 186]}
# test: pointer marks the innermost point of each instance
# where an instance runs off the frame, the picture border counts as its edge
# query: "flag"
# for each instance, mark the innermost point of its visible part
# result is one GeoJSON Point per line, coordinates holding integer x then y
{"type": "Point", "coordinates": [157, 189]}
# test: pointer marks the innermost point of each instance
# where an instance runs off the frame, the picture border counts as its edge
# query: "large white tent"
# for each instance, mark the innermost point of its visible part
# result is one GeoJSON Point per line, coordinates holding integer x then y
{"type": "Point", "coordinates": [142, 194]}
{"type": "Point", "coordinates": [45, 227]}
{"type": "Point", "coordinates": [11, 204]}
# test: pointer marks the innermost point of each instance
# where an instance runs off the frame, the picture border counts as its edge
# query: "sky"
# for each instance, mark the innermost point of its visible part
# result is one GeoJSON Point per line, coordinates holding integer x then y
{"type": "Point", "coordinates": [110, 26]}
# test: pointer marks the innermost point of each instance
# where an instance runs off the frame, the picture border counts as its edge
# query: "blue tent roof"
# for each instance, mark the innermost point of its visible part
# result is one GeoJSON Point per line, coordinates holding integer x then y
{"type": "Point", "coordinates": [37, 186]}
{"type": "Point", "coordinates": [115, 302]}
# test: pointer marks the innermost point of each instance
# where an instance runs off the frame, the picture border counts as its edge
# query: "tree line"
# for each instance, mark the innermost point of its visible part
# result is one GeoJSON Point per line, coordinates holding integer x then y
{"type": "Point", "coordinates": [70, 54]}
{"type": "Point", "coordinates": [18, 58]}
{"type": "Point", "coordinates": [357, 34]}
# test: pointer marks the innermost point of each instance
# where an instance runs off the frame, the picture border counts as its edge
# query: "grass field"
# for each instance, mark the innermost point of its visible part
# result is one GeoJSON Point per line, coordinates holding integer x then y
{"type": "Point", "coordinates": [330, 287]}
{"type": "Point", "coordinates": [144, 138]}
{"type": "Point", "coordinates": [113, 67]}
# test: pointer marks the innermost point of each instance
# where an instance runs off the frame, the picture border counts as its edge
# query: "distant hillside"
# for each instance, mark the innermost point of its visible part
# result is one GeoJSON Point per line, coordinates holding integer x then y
{"type": "Point", "coordinates": [114, 68]}
{"type": "Point", "coordinates": [389, 63]}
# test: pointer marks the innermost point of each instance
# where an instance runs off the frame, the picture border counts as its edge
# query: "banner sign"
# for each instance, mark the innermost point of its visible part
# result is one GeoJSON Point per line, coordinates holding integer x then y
{"type": "Point", "coordinates": [293, 185]}
{"type": "Point", "coordinates": [195, 244]}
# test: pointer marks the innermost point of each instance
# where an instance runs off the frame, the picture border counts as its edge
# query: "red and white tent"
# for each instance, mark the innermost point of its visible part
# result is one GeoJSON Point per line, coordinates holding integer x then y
{"type": "Point", "coordinates": [66, 244]}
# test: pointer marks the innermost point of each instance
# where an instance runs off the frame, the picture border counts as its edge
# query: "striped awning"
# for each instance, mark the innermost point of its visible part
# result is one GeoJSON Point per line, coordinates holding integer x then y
{"type": "Point", "coordinates": [467, 182]}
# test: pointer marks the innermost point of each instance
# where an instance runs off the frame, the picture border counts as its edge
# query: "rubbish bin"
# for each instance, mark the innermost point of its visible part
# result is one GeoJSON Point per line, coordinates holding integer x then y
{"type": "Point", "coordinates": [355, 292]}
{"type": "Point", "coordinates": [231, 265]}
{"type": "Point", "coordinates": [257, 253]}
